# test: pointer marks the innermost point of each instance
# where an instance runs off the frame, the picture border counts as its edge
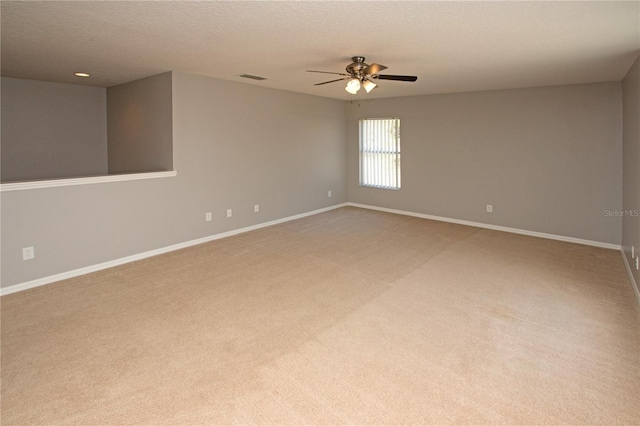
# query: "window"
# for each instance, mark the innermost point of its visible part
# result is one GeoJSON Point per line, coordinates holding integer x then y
{"type": "Point", "coordinates": [380, 153]}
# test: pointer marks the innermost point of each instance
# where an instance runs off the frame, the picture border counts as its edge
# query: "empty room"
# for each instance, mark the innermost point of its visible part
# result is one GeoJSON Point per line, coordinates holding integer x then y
{"type": "Point", "coordinates": [320, 212]}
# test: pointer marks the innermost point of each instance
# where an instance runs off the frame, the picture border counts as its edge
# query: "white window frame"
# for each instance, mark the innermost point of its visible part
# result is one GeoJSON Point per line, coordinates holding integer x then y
{"type": "Point", "coordinates": [380, 157]}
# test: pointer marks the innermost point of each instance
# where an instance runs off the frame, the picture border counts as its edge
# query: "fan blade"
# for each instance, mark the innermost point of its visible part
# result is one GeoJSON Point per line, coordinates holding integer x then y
{"type": "Point", "coordinates": [396, 77]}
{"type": "Point", "coordinates": [374, 69]}
{"type": "Point", "coordinates": [328, 72]}
{"type": "Point", "coordinates": [331, 81]}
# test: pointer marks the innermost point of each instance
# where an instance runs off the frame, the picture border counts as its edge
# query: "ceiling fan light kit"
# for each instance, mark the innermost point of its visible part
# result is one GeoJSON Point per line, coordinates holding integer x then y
{"type": "Point", "coordinates": [353, 86]}
{"type": "Point", "coordinates": [359, 74]}
{"type": "Point", "coordinates": [369, 85]}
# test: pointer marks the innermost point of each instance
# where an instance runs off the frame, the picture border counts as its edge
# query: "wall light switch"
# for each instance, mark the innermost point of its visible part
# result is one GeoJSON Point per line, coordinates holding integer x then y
{"type": "Point", "coordinates": [329, 194]}
{"type": "Point", "coordinates": [638, 263]}
{"type": "Point", "coordinates": [229, 212]}
{"type": "Point", "coordinates": [256, 208]}
{"type": "Point", "coordinates": [633, 252]}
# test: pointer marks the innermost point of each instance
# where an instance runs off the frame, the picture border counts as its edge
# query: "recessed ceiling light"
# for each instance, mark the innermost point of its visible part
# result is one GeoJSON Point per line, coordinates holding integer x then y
{"type": "Point", "coordinates": [82, 74]}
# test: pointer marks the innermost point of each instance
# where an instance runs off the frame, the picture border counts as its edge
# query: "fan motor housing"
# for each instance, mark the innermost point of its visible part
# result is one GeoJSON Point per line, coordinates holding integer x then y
{"type": "Point", "coordinates": [355, 68]}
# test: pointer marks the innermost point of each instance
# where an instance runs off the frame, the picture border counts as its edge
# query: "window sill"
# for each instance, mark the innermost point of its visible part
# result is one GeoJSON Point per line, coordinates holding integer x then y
{"type": "Point", "coordinates": [55, 183]}
{"type": "Point", "coordinates": [393, 188]}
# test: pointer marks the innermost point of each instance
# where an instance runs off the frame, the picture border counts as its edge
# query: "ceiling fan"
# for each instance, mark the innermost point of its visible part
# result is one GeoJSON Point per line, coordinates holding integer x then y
{"type": "Point", "coordinates": [360, 74]}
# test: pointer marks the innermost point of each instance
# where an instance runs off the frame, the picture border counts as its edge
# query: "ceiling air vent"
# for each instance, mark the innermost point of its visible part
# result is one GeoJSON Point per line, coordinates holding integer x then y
{"type": "Point", "coordinates": [253, 77]}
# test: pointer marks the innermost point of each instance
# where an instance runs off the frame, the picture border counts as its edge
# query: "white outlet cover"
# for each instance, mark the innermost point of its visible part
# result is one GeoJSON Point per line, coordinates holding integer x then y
{"type": "Point", "coordinates": [207, 217]}
{"type": "Point", "coordinates": [638, 263]}
{"type": "Point", "coordinates": [329, 194]}
{"type": "Point", "coordinates": [489, 208]}
{"type": "Point", "coordinates": [28, 253]}
{"type": "Point", "coordinates": [633, 251]}
{"type": "Point", "coordinates": [256, 208]}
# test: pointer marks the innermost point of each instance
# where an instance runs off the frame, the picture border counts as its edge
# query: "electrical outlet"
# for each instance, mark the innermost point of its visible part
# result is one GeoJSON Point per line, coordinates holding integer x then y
{"type": "Point", "coordinates": [489, 208]}
{"type": "Point", "coordinates": [229, 212]}
{"type": "Point", "coordinates": [256, 208]}
{"type": "Point", "coordinates": [207, 217]}
{"type": "Point", "coordinates": [329, 193]}
{"type": "Point", "coordinates": [638, 263]}
{"type": "Point", "coordinates": [28, 253]}
{"type": "Point", "coordinates": [633, 252]}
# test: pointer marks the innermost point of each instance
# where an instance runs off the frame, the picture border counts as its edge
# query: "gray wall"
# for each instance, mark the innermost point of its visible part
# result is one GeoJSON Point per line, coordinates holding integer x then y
{"type": "Point", "coordinates": [235, 145]}
{"type": "Point", "coordinates": [631, 164]}
{"type": "Point", "coordinates": [52, 130]}
{"type": "Point", "coordinates": [547, 159]}
{"type": "Point", "coordinates": [139, 125]}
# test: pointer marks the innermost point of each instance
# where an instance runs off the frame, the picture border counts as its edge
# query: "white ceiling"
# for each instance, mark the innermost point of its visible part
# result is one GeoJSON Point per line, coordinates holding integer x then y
{"type": "Point", "coordinates": [451, 46]}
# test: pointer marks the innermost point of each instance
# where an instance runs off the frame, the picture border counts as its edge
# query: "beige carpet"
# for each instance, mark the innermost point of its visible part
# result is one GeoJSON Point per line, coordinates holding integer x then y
{"type": "Point", "coordinates": [347, 317]}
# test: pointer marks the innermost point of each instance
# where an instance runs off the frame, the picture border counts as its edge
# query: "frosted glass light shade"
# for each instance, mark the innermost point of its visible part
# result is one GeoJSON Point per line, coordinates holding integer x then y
{"type": "Point", "coordinates": [368, 85]}
{"type": "Point", "coordinates": [353, 86]}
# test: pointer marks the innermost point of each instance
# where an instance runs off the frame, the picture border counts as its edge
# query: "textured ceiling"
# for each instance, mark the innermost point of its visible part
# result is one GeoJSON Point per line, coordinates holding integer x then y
{"type": "Point", "coordinates": [451, 46]}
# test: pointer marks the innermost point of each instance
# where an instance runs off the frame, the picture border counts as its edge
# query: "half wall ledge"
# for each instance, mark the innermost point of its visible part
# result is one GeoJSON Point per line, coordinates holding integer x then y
{"type": "Point", "coordinates": [55, 183]}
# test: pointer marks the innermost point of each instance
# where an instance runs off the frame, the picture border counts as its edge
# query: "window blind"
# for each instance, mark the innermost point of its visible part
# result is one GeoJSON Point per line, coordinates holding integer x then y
{"type": "Point", "coordinates": [380, 153]}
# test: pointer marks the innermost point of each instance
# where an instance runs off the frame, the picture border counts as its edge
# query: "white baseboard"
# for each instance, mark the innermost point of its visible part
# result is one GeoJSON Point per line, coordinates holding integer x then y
{"type": "Point", "coordinates": [98, 267]}
{"type": "Point", "coordinates": [121, 261]}
{"type": "Point", "coordinates": [493, 227]}
{"type": "Point", "coordinates": [634, 284]}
